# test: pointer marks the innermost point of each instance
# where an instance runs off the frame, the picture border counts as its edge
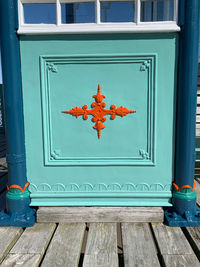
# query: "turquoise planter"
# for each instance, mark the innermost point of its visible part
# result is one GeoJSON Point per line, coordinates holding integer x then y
{"type": "Point", "coordinates": [131, 164]}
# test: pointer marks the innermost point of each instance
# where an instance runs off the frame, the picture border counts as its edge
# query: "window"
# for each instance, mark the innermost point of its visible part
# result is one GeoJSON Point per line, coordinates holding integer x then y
{"type": "Point", "coordinates": [51, 16]}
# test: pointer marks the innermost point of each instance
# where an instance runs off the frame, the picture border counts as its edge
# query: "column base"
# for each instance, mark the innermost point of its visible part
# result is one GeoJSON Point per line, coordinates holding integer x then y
{"type": "Point", "coordinates": [184, 213]}
{"type": "Point", "coordinates": [18, 213]}
{"type": "Point", "coordinates": [173, 219]}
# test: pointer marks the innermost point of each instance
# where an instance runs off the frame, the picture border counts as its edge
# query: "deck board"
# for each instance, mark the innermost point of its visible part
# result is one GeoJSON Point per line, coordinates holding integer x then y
{"type": "Point", "coordinates": [101, 247]}
{"type": "Point", "coordinates": [138, 245]}
{"type": "Point", "coordinates": [8, 237]}
{"type": "Point", "coordinates": [31, 246]}
{"type": "Point", "coordinates": [100, 214]}
{"type": "Point", "coordinates": [66, 244]}
{"type": "Point", "coordinates": [171, 241]}
{"type": "Point", "coordinates": [194, 238]}
{"type": "Point", "coordinates": [181, 261]}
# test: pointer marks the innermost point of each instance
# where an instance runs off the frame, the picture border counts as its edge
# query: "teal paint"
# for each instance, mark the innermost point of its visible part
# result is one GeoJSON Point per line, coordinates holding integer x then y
{"type": "Point", "coordinates": [18, 212]}
{"type": "Point", "coordinates": [132, 162]}
{"type": "Point", "coordinates": [185, 212]}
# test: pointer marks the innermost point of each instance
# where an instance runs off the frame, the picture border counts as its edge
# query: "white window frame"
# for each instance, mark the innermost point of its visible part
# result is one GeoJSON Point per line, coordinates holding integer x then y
{"type": "Point", "coordinates": [98, 26]}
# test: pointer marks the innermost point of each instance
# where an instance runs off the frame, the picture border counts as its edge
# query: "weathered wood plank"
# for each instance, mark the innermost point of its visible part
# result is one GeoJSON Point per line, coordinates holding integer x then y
{"type": "Point", "coordinates": [171, 241]}
{"type": "Point", "coordinates": [65, 247]}
{"type": "Point", "coordinates": [100, 214]}
{"type": "Point", "coordinates": [193, 234]}
{"type": "Point", "coordinates": [8, 237]}
{"type": "Point", "coordinates": [25, 260]}
{"type": "Point", "coordinates": [101, 247]}
{"type": "Point", "coordinates": [31, 246]}
{"type": "Point", "coordinates": [197, 189]}
{"type": "Point", "coordinates": [138, 245]}
{"type": "Point", "coordinates": [181, 261]}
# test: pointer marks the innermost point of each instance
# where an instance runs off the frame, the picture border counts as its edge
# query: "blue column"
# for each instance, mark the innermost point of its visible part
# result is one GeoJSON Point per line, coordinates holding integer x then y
{"type": "Point", "coordinates": [185, 212]}
{"type": "Point", "coordinates": [18, 212]}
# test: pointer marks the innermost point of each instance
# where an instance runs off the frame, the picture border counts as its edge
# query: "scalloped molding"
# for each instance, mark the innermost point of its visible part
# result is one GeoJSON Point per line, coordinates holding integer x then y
{"type": "Point", "coordinates": [52, 155]}
{"type": "Point", "coordinates": [87, 187]}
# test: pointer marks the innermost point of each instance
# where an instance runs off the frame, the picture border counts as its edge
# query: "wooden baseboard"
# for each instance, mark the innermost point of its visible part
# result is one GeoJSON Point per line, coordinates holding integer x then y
{"type": "Point", "coordinates": [100, 214]}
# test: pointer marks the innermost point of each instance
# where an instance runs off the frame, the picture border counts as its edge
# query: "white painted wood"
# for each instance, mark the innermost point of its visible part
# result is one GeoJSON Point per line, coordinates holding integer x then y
{"type": "Point", "coordinates": [37, 1]}
{"type": "Point", "coordinates": [65, 247]}
{"type": "Point", "coordinates": [100, 214]}
{"type": "Point", "coordinates": [101, 247]}
{"type": "Point", "coordinates": [171, 241]}
{"type": "Point", "coordinates": [58, 13]}
{"type": "Point", "coordinates": [138, 245]}
{"type": "Point", "coordinates": [20, 13]}
{"type": "Point", "coordinates": [181, 261]}
{"type": "Point", "coordinates": [175, 17]}
{"type": "Point", "coordinates": [137, 11]}
{"type": "Point", "coordinates": [97, 11]}
{"type": "Point", "coordinates": [8, 237]}
{"type": "Point", "coordinates": [98, 28]}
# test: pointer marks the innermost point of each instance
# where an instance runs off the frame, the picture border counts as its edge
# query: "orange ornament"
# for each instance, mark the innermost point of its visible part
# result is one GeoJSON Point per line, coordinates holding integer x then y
{"type": "Point", "coordinates": [99, 112]}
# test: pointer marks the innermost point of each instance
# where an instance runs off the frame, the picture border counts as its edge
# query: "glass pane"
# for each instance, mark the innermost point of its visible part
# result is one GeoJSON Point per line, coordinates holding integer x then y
{"type": "Point", "coordinates": [40, 13]}
{"type": "Point", "coordinates": [78, 12]}
{"type": "Point", "coordinates": [118, 11]}
{"type": "Point", "coordinates": [157, 10]}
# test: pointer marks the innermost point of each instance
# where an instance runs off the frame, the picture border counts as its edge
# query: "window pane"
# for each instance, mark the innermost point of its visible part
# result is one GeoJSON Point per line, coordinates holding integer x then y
{"type": "Point", "coordinates": [40, 13]}
{"type": "Point", "coordinates": [78, 12]}
{"type": "Point", "coordinates": [157, 10]}
{"type": "Point", "coordinates": [118, 11]}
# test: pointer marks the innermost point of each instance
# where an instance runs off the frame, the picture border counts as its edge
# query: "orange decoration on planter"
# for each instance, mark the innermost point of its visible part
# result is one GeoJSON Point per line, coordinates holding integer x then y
{"type": "Point", "coordinates": [98, 112]}
{"type": "Point", "coordinates": [184, 186]}
{"type": "Point", "coordinates": [18, 187]}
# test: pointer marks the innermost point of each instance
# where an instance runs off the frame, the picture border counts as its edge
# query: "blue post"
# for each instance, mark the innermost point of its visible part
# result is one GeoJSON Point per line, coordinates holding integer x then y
{"type": "Point", "coordinates": [18, 212]}
{"type": "Point", "coordinates": [184, 211]}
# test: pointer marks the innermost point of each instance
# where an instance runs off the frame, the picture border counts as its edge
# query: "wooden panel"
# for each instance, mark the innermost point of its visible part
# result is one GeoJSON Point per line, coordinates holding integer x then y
{"type": "Point", "coordinates": [8, 237]}
{"type": "Point", "coordinates": [100, 214]}
{"type": "Point", "coordinates": [181, 260]}
{"type": "Point", "coordinates": [25, 260]}
{"type": "Point", "coordinates": [66, 244]}
{"type": "Point", "coordinates": [101, 248]}
{"type": "Point", "coordinates": [171, 241]}
{"type": "Point", "coordinates": [193, 234]}
{"type": "Point", "coordinates": [31, 246]}
{"type": "Point", "coordinates": [197, 189]}
{"type": "Point", "coordinates": [138, 246]}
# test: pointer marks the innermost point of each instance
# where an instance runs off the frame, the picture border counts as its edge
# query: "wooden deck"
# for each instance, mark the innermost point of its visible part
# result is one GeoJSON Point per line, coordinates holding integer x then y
{"type": "Point", "coordinates": [100, 244]}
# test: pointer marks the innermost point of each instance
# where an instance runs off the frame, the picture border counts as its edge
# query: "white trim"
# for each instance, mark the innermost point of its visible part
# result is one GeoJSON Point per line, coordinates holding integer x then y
{"type": "Point", "coordinates": [58, 13]}
{"type": "Point", "coordinates": [137, 11]}
{"type": "Point", "coordinates": [97, 12]}
{"type": "Point", "coordinates": [98, 28]}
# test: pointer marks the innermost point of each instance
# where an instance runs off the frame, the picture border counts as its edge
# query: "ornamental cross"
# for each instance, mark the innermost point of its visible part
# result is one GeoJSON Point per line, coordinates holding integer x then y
{"type": "Point", "coordinates": [99, 112]}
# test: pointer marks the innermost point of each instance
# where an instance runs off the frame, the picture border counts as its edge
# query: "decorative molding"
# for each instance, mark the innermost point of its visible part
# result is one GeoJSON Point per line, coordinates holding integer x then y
{"type": "Point", "coordinates": [99, 112]}
{"type": "Point", "coordinates": [15, 186]}
{"type": "Point", "coordinates": [60, 159]}
{"type": "Point", "coordinates": [99, 188]}
{"type": "Point", "coordinates": [144, 154]}
{"type": "Point", "coordinates": [52, 67]}
{"type": "Point", "coordinates": [145, 65]}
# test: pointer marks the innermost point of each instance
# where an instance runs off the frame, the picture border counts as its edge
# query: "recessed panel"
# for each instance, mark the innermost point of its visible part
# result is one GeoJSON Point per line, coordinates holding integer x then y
{"type": "Point", "coordinates": [127, 84]}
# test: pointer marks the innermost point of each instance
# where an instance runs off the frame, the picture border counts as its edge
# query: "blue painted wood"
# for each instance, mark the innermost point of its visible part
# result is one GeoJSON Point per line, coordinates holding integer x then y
{"type": "Point", "coordinates": [23, 215]}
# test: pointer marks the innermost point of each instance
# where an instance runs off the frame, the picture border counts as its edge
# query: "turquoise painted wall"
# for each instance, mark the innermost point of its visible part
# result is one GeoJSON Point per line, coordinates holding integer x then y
{"type": "Point", "coordinates": [132, 162]}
